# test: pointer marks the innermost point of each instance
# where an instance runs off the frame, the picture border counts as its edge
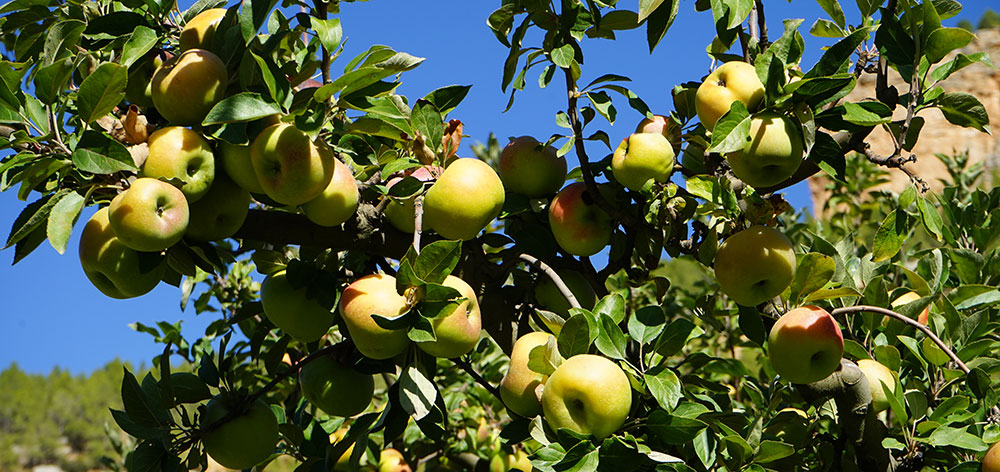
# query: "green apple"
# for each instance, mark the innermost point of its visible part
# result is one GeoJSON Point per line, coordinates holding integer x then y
{"type": "Point", "coordinates": [531, 170]}
{"type": "Point", "coordinates": [336, 388]}
{"type": "Point", "coordinates": [640, 157]}
{"type": "Point", "coordinates": [466, 198]}
{"type": "Point", "coordinates": [458, 332]}
{"type": "Point", "coordinates": [115, 269]}
{"type": "Point", "coordinates": [755, 265]}
{"type": "Point", "coordinates": [139, 87]}
{"type": "Point", "coordinates": [179, 153]}
{"type": "Point", "coordinates": [391, 460]}
{"type": "Point", "coordinates": [773, 153]}
{"type": "Point", "coordinates": [732, 81]}
{"type": "Point", "coordinates": [197, 33]}
{"type": "Point", "coordinates": [878, 374]}
{"type": "Point", "coordinates": [235, 160]}
{"type": "Point", "coordinates": [374, 294]}
{"type": "Point", "coordinates": [550, 298]}
{"type": "Point", "coordinates": [187, 86]}
{"type": "Point", "coordinates": [663, 125]}
{"type": "Point", "coordinates": [587, 394]}
{"type": "Point", "coordinates": [291, 168]}
{"type": "Point", "coordinates": [909, 297]}
{"type": "Point", "coordinates": [291, 310]}
{"type": "Point", "coordinates": [580, 227]}
{"type": "Point", "coordinates": [338, 202]}
{"type": "Point", "coordinates": [521, 387]}
{"type": "Point", "coordinates": [150, 216]}
{"type": "Point", "coordinates": [805, 345]}
{"type": "Point", "coordinates": [991, 461]}
{"type": "Point", "coordinates": [400, 212]}
{"type": "Point", "coordinates": [243, 441]}
{"type": "Point", "coordinates": [504, 462]}
{"type": "Point", "coordinates": [220, 213]}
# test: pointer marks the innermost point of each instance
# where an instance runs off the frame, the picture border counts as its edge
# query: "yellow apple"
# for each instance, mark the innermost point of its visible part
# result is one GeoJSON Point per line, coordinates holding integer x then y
{"type": "Point", "coordinates": [179, 153]}
{"type": "Point", "coordinates": [877, 374]}
{"type": "Point", "coordinates": [466, 198]}
{"type": "Point", "coordinates": [991, 461]}
{"type": "Point", "coordinates": [235, 160]}
{"type": "Point", "coordinates": [531, 170]}
{"type": "Point", "coordinates": [640, 157]}
{"type": "Point", "coordinates": [521, 387]}
{"type": "Point", "coordinates": [291, 168]}
{"type": "Point", "coordinates": [150, 216]}
{"type": "Point", "coordinates": [374, 294]}
{"type": "Point", "coordinates": [773, 153]}
{"type": "Point", "coordinates": [291, 310]}
{"type": "Point", "coordinates": [732, 81]}
{"type": "Point", "coordinates": [220, 213]}
{"type": "Point", "coordinates": [580, 227]}
{"type": "Point", "coordinates": [339, 200]}
{"type": "Point", "coordinates": [587, 394]}
{"type": "Point", "coordinates": [187, 86]}
{"type": "Point", "coordinates": [243, 441]}
{"type": "Point", "coordinates": [391, 460]}
{"type": "Point", "coordinates": [197, 33]}
{"type": "Point", "coordinates": [908, 297]}
{"type": "Point", "coordinates": [115, 269]}
{"type": "Point", "coordinates": [755, 265]}
{"type": "Point", "coordinates": [458, 332]}
{"type": "Point", "coordinates": [805, 345]}
{"type": "Point", "coordinates": [336, 388]}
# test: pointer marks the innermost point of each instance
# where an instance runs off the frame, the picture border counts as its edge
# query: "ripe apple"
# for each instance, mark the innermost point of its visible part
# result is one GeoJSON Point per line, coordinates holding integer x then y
{"type": "Point", "coordinates": [458, 332]}
{"type": "Point", "coordinates": [640, 157]}
{"type": "Point", "coordinates": [531, 170]}
{"type": "Point", "coordinates": [291, 310]}
{"type": "Point", "coordinates": [336, 388]}
{"type": "Point", "coordinates": [877, 374]}
{"type": "Point", "coordinates": [243, 441]}
{"type": "Point", "coordinates": [908, 297]}
{"type": "Point", "coordinates": [374, 294]}
{"type": "Point", "coordinates": [587, 394]}
{"type": "Point", "coordinates": [339, 200]}
{"type": "Point", "coordinates": [400, 212]}
{"type": "Point", "coordinates": [664, 126]}
{"type": "Point", "coordinates": [139, 88]}
{"type": "Point", "coordinates": [550, 298]}
{"type": "Point", "coordinates": [755, 265]}
{"type": "Point", "coordinates": [504, 462]}
{"type": "Point", "coordinates": [197, 33]}
{"type": "Point", "coordinates": [732, 81]}
{"type": "Point", "coordinates": [991, 461]}
{"type": "Point", "coordinates": [466, 198]}
{"type": "Point", "coordinates": [773, 153]}
{"type": "Point", "coordinates": [220, 213]}
{"type": "Point", "coordinates": [805, 345]}
{"type": "Point", "coordinates": [580, 227]}
{"type": "Point", "coordinates": [176, 152]}
{"type": "Point", "coordinates": [150, 216]}
{"type": "Point", "coordinates": [521, 387]}
{"type": "Point", "coordinates": [187, 86]}
{"type": "Point", "coordinates": [235, 160]}
{"type": "Point", "coordinates": [291, 168]}
{"type": "Point", "coordinates": [115, 269]}
{"type": "Point", "coordinates": [391, 460]}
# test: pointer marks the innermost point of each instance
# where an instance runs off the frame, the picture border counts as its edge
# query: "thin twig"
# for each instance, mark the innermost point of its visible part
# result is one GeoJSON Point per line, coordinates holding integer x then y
{"type": "Point", "coordinates": [466, 366]}
{"type": "Point", "coordinates": [762, 25]}
{"type": "Point", "coordinates": [418, 222]}
{"type": "Point", "coordinates": [551, 273]}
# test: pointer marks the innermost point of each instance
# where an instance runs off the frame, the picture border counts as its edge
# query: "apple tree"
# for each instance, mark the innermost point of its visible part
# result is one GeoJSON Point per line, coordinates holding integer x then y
{"type": "Point", "coordinates": [381, 301]}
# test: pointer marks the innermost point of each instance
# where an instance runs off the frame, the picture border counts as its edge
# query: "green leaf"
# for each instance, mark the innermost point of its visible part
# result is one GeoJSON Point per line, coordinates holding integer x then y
{"type": "Point", "coordinates": [930, 217]}
{"type": "Point", "coordinates": [771, 451]}
{"type": "Point", "coordinates": [244, 106]}
{"type": "Point", "coordinates": [139, 43]}
{"type": "Point", "coordinates": [562, 56]}
{"type": "Point", "coordinates": [437, 260]}
{"type": "Point", "coordinates": [32, 216]}
{"type": "Point", "coordinates": [890, 236]}
{"type": "Point", "coordinates": [141, 408]}
{"type": "Point", "coordinates": [602, 103]}
{"type": "Point", "coordinates": [675, 336]}
{"type": "Point", "coordinates": [577, 334]}
{"type": "Point", "coordinates": [814, 271]}
{"type": "Point", "coordinates": [610, 340]}
{"type": "Point", "coordinates": [417, 393]}
{"type": "Point", "coordinates": [647, 7]}
{"type": "Point", "coordinates": [965, 110]}
{"type": "Point", "coordinates": [674, 429]}
{"type": "Point", "coordinates": [752, 325]}
{"type": "Point", "coordinates": [647, 323]}
{"type": "Point", "coordinates": [445, 99]}
{"type": "Point", "coordinates": [944, 40]}
{"type": "Point", "coordinates": [658, 21]}
{"type": "Point", "coordinates": [665, 387]}
{"type": "Point", "coordinates": [869, 7]}
{"type": "Point", "coordinates": [967, 297]}
{"type": "Point", "coordinates": [859, 114]}
{"type": "Point", "coordinates": [732, 131]}
{"type": "Point", "coordinates": [98, 153]}
{"type": "Point", "coordinates": [958, 437]}
{"type": "Point", "coordinates": [960, 62]}
{"type": "Point", "coordinates": [836, 12]}
{"type": "Point", "coordinates": [826, 29]}
{"type": "Point", "coordinates": [61, 220]}
{"type": "Point", "coordinates": [428, 120]}
{"type": "Point", "coordinates": [101, 91]}
{"type": "Point", "coordinates": [329, 33]}
{"type": "Point", "coordinates": [612, 306]}
{"type": "Point", "coordinates": [837, 59]}
{"type": "Point", "coordinates": [52, 79]}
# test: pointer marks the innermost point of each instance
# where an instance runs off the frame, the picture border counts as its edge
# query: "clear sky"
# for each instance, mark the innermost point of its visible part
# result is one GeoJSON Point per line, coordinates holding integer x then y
{"type": "Point", "coordinates": [52, 316]}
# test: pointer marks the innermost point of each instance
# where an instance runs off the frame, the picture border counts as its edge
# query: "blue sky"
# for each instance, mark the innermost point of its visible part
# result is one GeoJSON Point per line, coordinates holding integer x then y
{"type": "Point", "coordinates": [53, 316]}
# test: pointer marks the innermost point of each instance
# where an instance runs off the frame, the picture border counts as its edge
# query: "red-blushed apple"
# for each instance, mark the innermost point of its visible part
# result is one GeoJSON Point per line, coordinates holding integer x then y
{"type": "Point", "coordinates": [663, 125]}
{"type": "Point", "coordinates": [732, 81]}
{"type": "Point", "coordinates": [640, 157]}
{"type": "Point", "coordinates": [587, 394]}
{"type": "Point", "coordinates": [187, 86]}
{"type": "Point", "coordinates": [773, 153]}
{"type": "Point", "coordinates": [805, 345]}
{"type": "Point", "coordinates": [391, 460]}
{"type": "Point", "coordinates": [335, 387]}
{"type": "Point", "coordinates": [400, 212]}
{"type": "Point", "coordinates": [458, 332]}
{"type": "Point", "coordinates": [235, 161]}
{"type": "Point", "coordinates": [198, 33]}
{"type": "Point", "coordinates": [243, 441]}
{"type": "Point", "coordinates": [291, 168]}
{"type": "Point", "coordinates": [580, 227]}
{"type": "Point", "coordinates": [466, 198]}
{"type": "Point", "coordinates": [339, 199]}
{"type": "Point", "coordinates": [220, 213]}
{"type": "Point", "coordinates": [179, 153]}
{"type": "Point", "coordinates": [755, 265]}
{"type": "Point", "coordinates": [115, 269]}
{"type": "Point", "coordinates": [531, 170]}
{"type": "Point", "coordinates": [991, 461]}
{"type": "Point", "coordinates": [909, 297]}
{"type": "Point", "coordinates": [150, 216]}
{"type": "Point", "coordinates": [521, 387]}
{"type": "Point", "coordinates": [374, 294]}
{"type": "Point", "coordinates": [877, 374]}
{"type": "Point", "coordinates": [291, 310]}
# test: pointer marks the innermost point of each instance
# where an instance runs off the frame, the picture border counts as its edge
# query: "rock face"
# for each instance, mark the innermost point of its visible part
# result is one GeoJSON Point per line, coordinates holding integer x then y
{"type": "Point", "coordinates": [937, 134]}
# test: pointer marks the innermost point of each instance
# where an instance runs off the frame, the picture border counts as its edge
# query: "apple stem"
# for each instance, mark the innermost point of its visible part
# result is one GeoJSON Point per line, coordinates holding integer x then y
{"type": "Point", "coordinates": [563, 288]}
{"type": "Point", "coordinates": [418, 222]}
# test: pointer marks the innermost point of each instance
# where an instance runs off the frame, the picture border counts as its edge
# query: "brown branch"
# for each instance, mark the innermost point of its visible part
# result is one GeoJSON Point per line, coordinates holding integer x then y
{"type": "Point", "coordinates": [762, 25]}
{"type": "Point", "coordinates": [418, 222]}
{"type": "Point", "coordinates": [551, 273]}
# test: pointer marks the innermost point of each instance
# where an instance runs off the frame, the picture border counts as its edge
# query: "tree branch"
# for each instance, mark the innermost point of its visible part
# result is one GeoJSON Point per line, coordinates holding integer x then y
{"type": "Point", "coordinates": [551, 273]}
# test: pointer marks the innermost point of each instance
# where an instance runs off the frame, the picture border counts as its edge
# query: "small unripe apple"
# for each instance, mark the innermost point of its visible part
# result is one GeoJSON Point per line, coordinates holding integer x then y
{"type": "Point", "coordinates": [150, 216]}
{"type": "Point", "coordinates": [805, 345]}
{"type": "Point", "coordinates": [187, 86]}
{"type": "Point", "coordinates": [755, 265]}
{"type": "Point", "coordinates": [587, 394]}
{"type": "Point", "coordinates": [877, 374]}
{"type": "Point", "coordinates": [220, 213]}
{"type": "Point", "coordinates": [291, 310]}
{"type": "Point", "coordinates": [115, 269]}
{"type": "Point", "coordinates": [458, 332]}
{"type": "Point", "coordinates": [374, 294]}
{"type": "Point", "coordinates": [773, 153]}
{"type": "Point", "coordinates": [338, 202]}
{"type": "Point", "coordinates": [521, 387]}
{"type": "Point", "coordinates": [197, 33]}
{"type": "Point", "coordinates": [235, 160]}
{"type": "Point", "coordinates": [291, 168]}
{"type": "Point", "coordinates": [732, 81]}
{"type": "Point", "coordinates": [531, 170]}
{"type": "Point", "coordinates": [580, 227]}
{"type": "Point", "coordinates": [640, 157]}
{"type": "Point", "coordinates": [466, 198]}
{"type": "Point", "coordinates": [243, 441]}
{"type": "Point", "coordinates": [179, 153]}
{"type": "Point", "coordinates": [336, 388]}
